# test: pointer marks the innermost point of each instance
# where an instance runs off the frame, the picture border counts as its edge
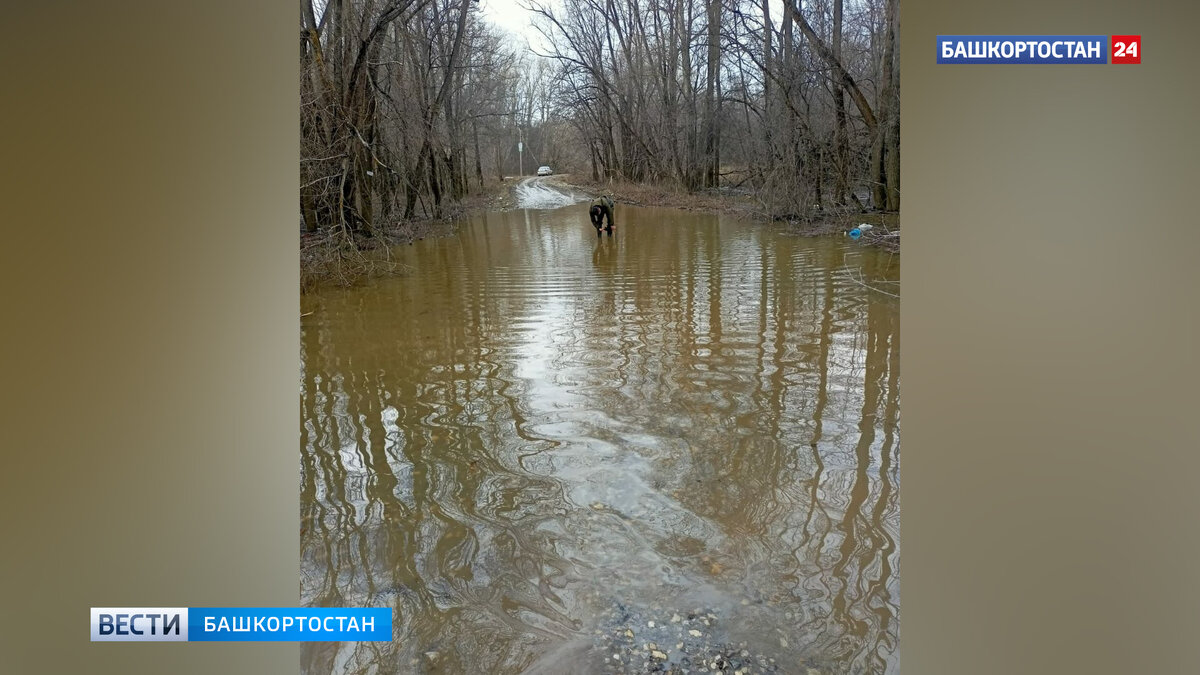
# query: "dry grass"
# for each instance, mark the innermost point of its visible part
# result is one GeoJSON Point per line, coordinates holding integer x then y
{"type": "Point", "coordinates": [668, 196]}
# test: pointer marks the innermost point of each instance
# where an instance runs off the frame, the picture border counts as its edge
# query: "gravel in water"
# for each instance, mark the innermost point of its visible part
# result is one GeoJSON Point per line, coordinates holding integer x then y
{"type": "Point", "coordinates": [678, 643]}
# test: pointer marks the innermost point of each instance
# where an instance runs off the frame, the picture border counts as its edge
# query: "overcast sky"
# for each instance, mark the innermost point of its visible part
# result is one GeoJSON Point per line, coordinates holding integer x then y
{"type": "Point", "coordinates": [509, 15]}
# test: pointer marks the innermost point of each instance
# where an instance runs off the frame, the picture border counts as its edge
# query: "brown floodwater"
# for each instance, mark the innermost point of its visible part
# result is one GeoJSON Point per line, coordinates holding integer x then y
{"type": "Point", "coordinates": [532, 426]}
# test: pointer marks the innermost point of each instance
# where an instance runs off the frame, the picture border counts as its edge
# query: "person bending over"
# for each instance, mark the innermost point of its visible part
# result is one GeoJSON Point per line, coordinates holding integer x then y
{"type": "Point", "coordinates": [600, 212]}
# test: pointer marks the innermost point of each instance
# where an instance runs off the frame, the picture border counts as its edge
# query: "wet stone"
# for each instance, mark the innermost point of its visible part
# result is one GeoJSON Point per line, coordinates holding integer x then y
{"type": "Point", "coordinates": [668, 643]}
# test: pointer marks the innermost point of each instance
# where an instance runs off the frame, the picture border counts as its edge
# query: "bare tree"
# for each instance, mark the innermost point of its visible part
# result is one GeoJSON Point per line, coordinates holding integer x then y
{"type": "Point", "coordinates": [410, 105]}
{"type": "Point", "coordinates": [394, 95]}
{"type": "Point", "coordinates": [697, 91]}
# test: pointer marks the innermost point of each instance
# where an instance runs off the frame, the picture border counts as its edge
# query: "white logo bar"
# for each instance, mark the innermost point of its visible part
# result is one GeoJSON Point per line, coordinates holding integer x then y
{"type": "Point", "coordinates": [139, 624]}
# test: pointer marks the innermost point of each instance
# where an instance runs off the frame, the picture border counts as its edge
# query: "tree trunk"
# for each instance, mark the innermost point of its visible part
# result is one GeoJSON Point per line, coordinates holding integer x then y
{"type": "Point", "coordinates": [891, 134]}
{"type": "Point", "coordinates": [840, 73]}
{"type": "Point", "coordinates": [840, 149]}
{"type": "Point", "coordinates": [308, 212]}
{"type": "Point", "coordinates": [478, 161]}
{"type": "Point", "coordinates": [768, 118]}
{"type": "Point", "coordinates": [712, 94]}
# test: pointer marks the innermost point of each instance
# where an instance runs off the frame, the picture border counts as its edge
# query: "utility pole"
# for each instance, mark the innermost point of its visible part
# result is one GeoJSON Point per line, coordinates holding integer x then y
{"type": "Point", "coordinates": [521, 151]}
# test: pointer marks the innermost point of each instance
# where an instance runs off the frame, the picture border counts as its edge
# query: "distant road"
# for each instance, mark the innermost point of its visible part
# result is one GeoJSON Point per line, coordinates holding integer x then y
{"type": "Point", "coordinates": [537, 192]}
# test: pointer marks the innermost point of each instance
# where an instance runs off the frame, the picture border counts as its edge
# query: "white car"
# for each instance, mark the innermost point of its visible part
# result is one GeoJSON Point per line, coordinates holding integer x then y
{"type": "Point", "coordinates": [544, 171]}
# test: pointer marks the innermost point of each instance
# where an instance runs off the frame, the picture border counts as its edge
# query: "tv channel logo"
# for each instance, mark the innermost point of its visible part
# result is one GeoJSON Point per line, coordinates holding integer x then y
{"type": "Point", "coordinates": [1127, 49]}
{"type": "Point", "coordinates": [1034, 49]}
{"type": "Point", "coordinates": [241, 624]}
{"type": "Point", "coordinates": [1021, 49]}
{"type": "Point", "coordinates": [139, 624]}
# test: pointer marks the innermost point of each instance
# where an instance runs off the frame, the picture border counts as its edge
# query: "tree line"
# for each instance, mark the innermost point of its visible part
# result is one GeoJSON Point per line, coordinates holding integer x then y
{"type": "Point", "coordinates": [409, 106]}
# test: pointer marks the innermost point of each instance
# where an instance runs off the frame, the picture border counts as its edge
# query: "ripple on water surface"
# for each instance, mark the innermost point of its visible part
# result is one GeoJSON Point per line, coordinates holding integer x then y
{"type": "Point", "coordinates": [539, 439]}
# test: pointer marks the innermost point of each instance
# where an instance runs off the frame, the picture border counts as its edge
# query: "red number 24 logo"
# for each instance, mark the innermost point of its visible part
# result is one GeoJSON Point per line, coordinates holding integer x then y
{"type": "Point", "coordinates": [1127, 49]}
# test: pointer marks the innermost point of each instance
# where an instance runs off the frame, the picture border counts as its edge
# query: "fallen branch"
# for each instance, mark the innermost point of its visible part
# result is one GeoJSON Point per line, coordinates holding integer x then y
{"type": "Point", "coordinates": [860, 282]}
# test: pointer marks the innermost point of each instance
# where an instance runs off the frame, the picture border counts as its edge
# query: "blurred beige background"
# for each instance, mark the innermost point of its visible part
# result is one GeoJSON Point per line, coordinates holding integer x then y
{"type": "Point", "coordinates": [151, 349]}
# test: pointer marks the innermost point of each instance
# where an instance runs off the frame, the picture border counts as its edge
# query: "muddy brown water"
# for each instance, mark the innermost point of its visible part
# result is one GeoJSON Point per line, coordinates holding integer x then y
{"type": "Point", "coordinates": [533, 425]}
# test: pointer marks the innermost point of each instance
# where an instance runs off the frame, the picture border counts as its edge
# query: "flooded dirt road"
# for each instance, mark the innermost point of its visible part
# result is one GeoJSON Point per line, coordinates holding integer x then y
{"type": "Point", "coordinates": [537, 442]}
{"type": "Point", "coordinates": [545, 193]}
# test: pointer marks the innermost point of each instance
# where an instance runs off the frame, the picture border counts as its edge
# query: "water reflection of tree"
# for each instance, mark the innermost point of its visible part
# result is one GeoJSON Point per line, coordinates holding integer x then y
{"type": "Point", "coordinates": [760, 478]}
{"type": "Point", "coordinates": [858, 621]}
{"type": "Point", "coordinates": [428, 515]}
{"type": "Point", "coordinates": [431, 419]}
